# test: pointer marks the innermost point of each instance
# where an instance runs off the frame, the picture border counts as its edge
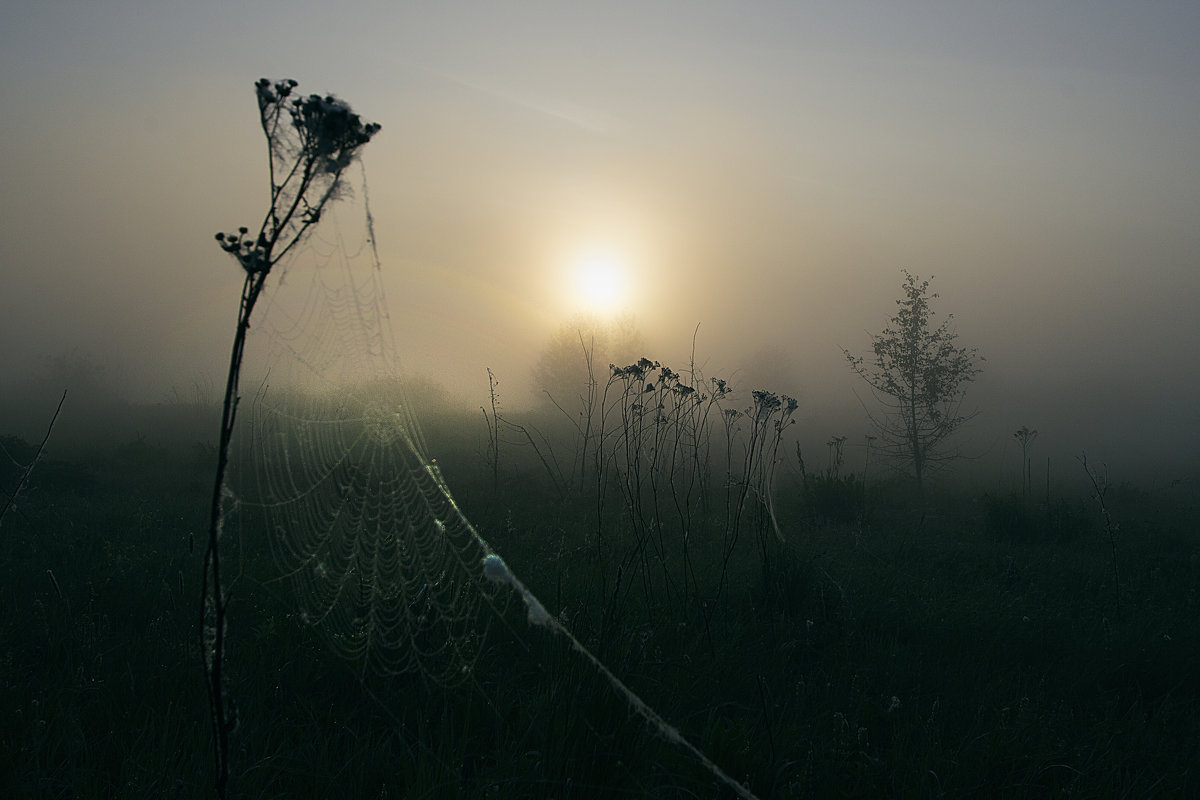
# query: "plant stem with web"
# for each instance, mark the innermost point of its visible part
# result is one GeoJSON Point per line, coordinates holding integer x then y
{"type": "Point", "coordinates": [322, 138]}
{"type": "Point", "coordinates": [213, 603]}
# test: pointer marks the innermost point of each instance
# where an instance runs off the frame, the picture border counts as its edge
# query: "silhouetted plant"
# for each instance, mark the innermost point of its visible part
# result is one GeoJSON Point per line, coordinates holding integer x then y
{"type": "Point", "coordinates": [549, 374]}
{"type": "Point", "coordinates": [1010, 517]}
{"type": "Point", "coordinates": [493, 426]}
{"type": "Point", "coordinates": [311, 141]}
{"type": "Point", "coordinates": [867, 457]}
{"type": "Point", "coordinates": [835, 498]}
{"type": "Point", "coordinates": [563, 376]}
{"type": "Point", "coordinates": [1025, 437]}
{"type": "Point", "coordinates": [1100, 487]}
{"type": "Point", "coordinates": [919, 376]}
{"type": "Point", "coordinates": [770, 415]}
{"type": "Point", "coordinates": [829, 496]}
{"type": "Point", "coordinates": [11, 501]}
{"type": "Point", "coordinates": [836, 447]}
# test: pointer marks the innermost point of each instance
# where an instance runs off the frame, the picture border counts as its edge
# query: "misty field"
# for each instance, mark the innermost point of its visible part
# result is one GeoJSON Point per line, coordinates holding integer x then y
{"type": "Point", "coordinates": [368, 476]}
{"type": "Point", "coordinates": [967, 646]}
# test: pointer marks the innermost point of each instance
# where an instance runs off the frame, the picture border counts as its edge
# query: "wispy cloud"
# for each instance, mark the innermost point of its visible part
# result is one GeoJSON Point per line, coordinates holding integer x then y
{"type": "Point", "coordinates": [592, 120]}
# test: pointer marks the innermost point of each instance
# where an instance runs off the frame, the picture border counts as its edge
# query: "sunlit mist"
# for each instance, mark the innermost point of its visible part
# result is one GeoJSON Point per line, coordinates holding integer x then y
{"type": "Point", "coordinates": [757, 399]}
{"type": "Point", "coordinates": [599, 280]}
{"type": "Point", "coordinates": [743, 178]}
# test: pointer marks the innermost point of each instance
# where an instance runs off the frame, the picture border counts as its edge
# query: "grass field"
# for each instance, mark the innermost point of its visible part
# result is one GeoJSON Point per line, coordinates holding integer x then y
{"type": "Point", "coordinates": [967, 647]}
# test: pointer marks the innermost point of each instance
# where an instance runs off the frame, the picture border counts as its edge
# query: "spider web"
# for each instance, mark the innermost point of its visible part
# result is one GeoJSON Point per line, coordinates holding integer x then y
{"type": "Point", "coordinates": [360, 521]}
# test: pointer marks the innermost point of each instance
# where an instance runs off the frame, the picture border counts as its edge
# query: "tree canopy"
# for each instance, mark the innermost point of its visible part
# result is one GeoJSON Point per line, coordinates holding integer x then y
{"type": "Point", "coordinates": [919, 376]}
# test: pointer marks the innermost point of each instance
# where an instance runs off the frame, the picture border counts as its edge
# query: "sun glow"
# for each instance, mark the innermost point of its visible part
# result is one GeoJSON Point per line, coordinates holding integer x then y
{"type": "Point", "coordinates": [599, 281]}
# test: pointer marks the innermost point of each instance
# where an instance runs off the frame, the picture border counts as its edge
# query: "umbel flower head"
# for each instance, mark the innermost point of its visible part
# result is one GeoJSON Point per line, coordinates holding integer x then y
{"type": "Point", "coordinates": [313, 139]}
{"type": "Point", "coordinates": [251, 254]}
{"type": "Point", "coordinates": [326, 127]}
{"type": "Point", "coordinates": [334, 131]}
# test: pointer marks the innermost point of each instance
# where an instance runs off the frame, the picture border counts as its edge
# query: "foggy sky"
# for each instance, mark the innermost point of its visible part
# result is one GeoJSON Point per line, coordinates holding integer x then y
{"type": "Point", "coordinates": [771, 167]}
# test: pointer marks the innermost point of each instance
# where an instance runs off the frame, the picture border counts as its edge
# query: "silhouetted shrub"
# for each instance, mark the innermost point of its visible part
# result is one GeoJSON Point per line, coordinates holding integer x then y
{"type": "Point", "coordinates": [1010, 516]}
{"type": "Point", "coordinates": [16, 455]}
{"type": "Point", "coordinates": [834, 498]}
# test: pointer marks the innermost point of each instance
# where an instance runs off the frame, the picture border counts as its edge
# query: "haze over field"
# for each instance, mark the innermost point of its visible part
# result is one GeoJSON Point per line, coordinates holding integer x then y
{"type": "Point", "coordinates": [762, 170]}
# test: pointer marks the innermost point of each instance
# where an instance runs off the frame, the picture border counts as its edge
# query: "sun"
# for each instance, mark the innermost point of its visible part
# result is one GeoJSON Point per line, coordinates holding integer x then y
{"type": "Point", "coordinates": [599, 281]}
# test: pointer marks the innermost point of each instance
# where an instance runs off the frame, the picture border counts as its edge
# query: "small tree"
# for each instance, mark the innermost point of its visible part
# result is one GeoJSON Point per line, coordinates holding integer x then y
{"type": "Point", "coordinates": [919, 376]}
{"type": "Point", "coordinates": [311, 140]}
{"type": "Point", "coordinates": [578, 355]}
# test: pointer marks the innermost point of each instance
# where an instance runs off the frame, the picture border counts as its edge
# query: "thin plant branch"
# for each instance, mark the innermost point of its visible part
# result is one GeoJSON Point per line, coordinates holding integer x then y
{"type": "Point", "coordinates": [12, 498]}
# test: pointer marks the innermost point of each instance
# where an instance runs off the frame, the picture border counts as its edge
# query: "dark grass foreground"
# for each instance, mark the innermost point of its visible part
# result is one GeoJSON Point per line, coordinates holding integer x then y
{"type": "Point", "coordinates": [972, 650]}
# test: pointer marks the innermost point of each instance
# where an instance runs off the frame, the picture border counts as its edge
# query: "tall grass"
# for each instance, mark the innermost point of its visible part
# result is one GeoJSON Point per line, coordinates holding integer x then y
{"type": "Point", "coordinates": [974, 652]}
